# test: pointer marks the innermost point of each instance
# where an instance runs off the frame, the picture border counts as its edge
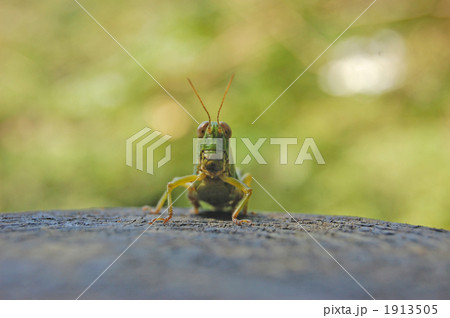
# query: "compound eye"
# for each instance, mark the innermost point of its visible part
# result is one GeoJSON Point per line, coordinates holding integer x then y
{"type": "Point", "coordinates": [202, 128]}
{"type": "Point", "coordinates": [226, 129]}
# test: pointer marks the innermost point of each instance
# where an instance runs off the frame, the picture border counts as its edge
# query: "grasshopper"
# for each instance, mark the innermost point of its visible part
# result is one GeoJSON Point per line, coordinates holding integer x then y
{"type": "Point", "coordinates": [214, 181]}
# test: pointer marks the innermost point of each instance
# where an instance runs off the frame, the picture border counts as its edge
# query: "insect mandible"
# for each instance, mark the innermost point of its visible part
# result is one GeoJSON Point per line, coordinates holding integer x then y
{"type": "Point", "coordinates": [214, 181]}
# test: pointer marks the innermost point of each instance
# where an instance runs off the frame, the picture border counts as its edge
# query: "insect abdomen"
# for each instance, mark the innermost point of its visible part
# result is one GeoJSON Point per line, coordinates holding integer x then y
{"type": "Point", "coordinates": [214, 192]}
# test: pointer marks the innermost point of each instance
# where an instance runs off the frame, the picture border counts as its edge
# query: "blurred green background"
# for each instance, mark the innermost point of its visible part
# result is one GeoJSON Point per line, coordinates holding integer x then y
{"type": "Point", "coordinates": [376, 103]}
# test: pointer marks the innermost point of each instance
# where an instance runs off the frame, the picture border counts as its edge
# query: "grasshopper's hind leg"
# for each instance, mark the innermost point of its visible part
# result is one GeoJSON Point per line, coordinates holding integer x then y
{"type": "Point", "coordinates": [161, 201]}
{"type": "Point", "coordinates": [247, 180]}
{"type": "Point", "coordinates": [247, 193]}
{"type": "Point", "coordinates": [186, 182]}
{"type": "Point", "coordinates": [158, 207]}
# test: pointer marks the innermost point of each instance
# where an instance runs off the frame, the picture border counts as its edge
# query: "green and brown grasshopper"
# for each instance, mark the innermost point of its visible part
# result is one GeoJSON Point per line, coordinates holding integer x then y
{"type": "Point", "coordinates": [214, 181]}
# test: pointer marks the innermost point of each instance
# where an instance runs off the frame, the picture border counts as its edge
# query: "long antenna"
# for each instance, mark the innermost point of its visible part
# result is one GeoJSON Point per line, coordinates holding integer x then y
{"type": "Point", "coordinates": [223, 99]}
{"type": "Point", "coordinates": [196, 93]}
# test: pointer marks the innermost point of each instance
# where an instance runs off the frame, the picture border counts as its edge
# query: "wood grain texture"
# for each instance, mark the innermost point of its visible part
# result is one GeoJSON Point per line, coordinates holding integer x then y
{"type": "Point", "coordinates": [57, 254]}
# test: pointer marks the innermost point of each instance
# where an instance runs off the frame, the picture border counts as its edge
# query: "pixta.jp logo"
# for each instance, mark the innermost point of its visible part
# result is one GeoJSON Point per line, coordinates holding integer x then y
{"type": "Point", "coordinates": [307, 148]}
{"type": "Point", "coordinates": [143, 141]}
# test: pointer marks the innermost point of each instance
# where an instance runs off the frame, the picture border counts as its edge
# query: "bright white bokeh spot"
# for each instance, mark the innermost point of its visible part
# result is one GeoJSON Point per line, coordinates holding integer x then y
{"type": "Point", "coordinates": [365, 65]}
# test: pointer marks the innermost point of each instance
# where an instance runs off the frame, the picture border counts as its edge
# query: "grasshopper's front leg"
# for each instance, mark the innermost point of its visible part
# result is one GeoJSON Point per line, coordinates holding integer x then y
{"type": "Point", "coordinates": [243, 203]}
{"type": "Point", "coordinates": [183, 181]}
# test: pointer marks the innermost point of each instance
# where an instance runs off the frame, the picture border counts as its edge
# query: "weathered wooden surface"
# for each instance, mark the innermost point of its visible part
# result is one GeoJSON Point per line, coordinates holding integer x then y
{"type": "Point", "coordinates": [56, 255]}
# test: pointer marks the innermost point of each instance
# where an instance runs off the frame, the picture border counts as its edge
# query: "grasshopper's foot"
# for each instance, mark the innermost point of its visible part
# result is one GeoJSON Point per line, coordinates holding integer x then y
{"type": "Point", "coordinates": [194, 211]}
{"type": "Point", "coordinates": [165, 220]}
{"type": "Point", "coordinates": [241, 222]}
{"type": "Point", "coordinates": [150, 210]}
